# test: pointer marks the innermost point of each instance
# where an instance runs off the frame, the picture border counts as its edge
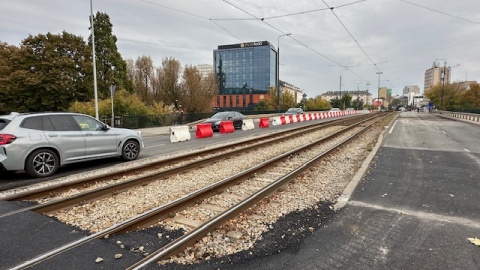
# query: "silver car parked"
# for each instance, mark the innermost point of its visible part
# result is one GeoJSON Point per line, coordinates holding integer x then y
{"type": "Point", "coordinates": [39, 143]}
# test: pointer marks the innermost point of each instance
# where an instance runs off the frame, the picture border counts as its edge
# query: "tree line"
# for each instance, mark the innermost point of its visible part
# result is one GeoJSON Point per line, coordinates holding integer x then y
{"type": "Point", "coordinates": [54, 72]}
{"type": "Point", "coordinates": [454, 97]}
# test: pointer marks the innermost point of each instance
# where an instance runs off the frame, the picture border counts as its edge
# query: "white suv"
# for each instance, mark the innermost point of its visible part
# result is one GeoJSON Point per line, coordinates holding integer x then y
{"type": "Point", "coordinates": [39, 143]}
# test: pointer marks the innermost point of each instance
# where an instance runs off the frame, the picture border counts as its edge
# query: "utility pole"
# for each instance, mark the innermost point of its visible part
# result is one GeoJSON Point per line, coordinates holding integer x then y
{"type": "Point", "coordinates": [94, 63]}
{"type": "Point", "coordinates": [378, 93]}
{"type": "Point", "coordinates": [366, 100]}
{"type": "Point", "coordinates": [278, 70]}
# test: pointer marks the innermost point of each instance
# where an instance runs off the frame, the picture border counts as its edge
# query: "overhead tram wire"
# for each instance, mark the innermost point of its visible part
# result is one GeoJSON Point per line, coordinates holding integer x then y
{"type": "Point", "coordinates": [291, 37]}
{"type": "Point", "coordinates": [192, 15]}
{"type": "Point", "coordinates": [354, 39]}
{"type": "Point", "coordinates": [285, 15]}
{"type": "Point", "coordinates": [441, 12]}
{"type": "Point", "coordinates": [262, 20]}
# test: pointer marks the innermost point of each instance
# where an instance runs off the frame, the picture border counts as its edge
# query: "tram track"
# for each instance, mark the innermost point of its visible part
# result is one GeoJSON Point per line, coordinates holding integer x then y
{"type": "Point", "coordinates": [63, 195]}
{"type": "Point", "coordinates": [166, 210]}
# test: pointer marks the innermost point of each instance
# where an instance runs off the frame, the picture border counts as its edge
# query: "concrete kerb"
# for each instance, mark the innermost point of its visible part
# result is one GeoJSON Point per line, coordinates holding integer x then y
{"type": "Point", "coordinates": [350, 188]}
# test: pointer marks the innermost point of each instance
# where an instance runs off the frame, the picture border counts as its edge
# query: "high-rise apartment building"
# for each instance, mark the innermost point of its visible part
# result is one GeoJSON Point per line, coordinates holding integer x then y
{"type": "Point", "coordinates": [434, 75]}
{"type": "Point", "coordinates": [245, 72]}
{"type": "Point", "coordinates": [205, 69]}
{"type": "Point", "coordinates": [411, 89]}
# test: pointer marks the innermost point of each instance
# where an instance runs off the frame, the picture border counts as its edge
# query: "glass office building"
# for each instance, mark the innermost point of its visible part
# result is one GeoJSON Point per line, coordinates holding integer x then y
{"type": "Point", "coordinates": [245, 72]}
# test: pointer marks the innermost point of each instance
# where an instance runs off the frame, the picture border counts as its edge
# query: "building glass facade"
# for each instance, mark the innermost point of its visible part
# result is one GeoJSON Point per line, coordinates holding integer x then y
{"type": "Point", "coordinates": [245, 68]}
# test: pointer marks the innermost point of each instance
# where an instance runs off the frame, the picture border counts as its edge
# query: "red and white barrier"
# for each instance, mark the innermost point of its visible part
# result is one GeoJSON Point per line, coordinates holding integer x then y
{"type": "Point", "coordinates": [179, 134]}
{"type": "Point", "coordinates": [204, 130]}
{"type": "Point", "coordinates": [226, 127]}
{"type": "Point", "coordinates": [248, 124]}
{"type": "Point", "coordinates": [264, 122]}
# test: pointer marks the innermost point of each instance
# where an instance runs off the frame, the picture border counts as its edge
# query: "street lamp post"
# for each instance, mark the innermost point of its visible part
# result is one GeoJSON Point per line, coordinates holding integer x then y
{"type": "Point", "coordinates": [378, 93]}
{"type": "Point", "coordinates": [443, 83]}
{"type": "Point", "coordinates": [94, 63]}
{"type": "Point", "coordinates": [366, 100]}
{"type": "Point", "coordinates": [341, 90]}
{"type": "Point", "coordinates": [112, 92]}
{"type": "Point", "coordinates": [278, 70]}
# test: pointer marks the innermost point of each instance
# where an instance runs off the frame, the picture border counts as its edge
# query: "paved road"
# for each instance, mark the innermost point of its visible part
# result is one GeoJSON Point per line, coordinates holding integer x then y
{"type": "Point", "coordinates": [414, 209]}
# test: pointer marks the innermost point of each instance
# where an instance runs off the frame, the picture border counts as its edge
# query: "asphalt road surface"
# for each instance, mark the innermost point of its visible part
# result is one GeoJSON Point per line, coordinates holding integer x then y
{"type": "Point", "coordinates": [415, 208]}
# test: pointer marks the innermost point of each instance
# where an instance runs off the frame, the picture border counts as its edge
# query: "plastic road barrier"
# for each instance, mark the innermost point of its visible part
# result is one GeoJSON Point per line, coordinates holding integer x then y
{"type": "Point", "coordinates": [226, 127]}
{"type": "Point", "coordinates": [204, 130]}
{"type": "Point", "coordinates": [179, 134]}
{"type": "Point", "coordinates": [275, 121]}
{"type": "Point", "coordinates": [282, 120]}
{"type": "Point", "coordinates": [264, 123]}
{"type": "Point", "coordinates": [248, 124]}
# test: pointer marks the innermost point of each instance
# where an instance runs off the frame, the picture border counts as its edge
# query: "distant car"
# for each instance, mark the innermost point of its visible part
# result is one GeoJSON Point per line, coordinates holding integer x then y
{"type": "Point", "coordinates": [236, 117]}
{"type": "Point", "coordinates": [294, 111]}
{"type": "Point", "coordinates": [349, 109]}
{"type": "Point", "coordinates": [365, 111]}
{"type": "Point", "coordinates": [334, 110]}
{"type": "Point", "coordinates": [40, 143]}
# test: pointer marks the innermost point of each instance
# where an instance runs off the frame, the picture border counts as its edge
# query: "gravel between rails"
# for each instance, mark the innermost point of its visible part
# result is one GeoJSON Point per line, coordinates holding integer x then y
{"type": "Point", "coordinates": [104, 213]}
{"type": "Point", "coordinates": [314, 191]}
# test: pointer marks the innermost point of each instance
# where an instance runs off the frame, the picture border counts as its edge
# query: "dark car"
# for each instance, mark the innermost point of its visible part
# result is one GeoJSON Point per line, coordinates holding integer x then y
{"type": "Point", "coordinates": [294, 111]}
{"type": "Point", "coordinates": [236, 117]}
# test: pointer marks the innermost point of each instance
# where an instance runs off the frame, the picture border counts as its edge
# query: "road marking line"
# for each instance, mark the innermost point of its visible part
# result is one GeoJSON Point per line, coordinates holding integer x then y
{"type": "Point", "coordinates": [390, 132]}
{"type": "Point", "coordinates": [146, 147]}
{"type": "Point", "coordinates": [466, 150]}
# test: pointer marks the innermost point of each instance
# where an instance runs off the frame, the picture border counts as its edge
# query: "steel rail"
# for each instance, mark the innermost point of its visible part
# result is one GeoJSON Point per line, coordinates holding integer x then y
{"type": "Point", "coordinates": [79, 183]}
{"type": "Point", "coordinates": [181, 203]}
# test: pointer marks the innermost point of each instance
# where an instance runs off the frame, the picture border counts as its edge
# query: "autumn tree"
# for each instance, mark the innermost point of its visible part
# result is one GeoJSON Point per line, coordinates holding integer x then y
{"type": "Point", "coordinates": [168, 78]}
{"type": "Point", "coordinates": [317, 104]}
{"type": "Point", "coordinates": [143, 76]}
{"type": "Point", "coordinates": [448, 95]}
{"type": "Point", "coordinates": [287, 100]}
{"type": "Point", "coordinates": [197, 91]}
{"type": "Point", "coordinates": [471, 97]}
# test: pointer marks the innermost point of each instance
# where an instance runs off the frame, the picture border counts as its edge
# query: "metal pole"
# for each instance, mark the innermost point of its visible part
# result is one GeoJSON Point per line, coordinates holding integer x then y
{"type": "Point", "coordinates": [112, 92]}
{"type": "Point", "coordinates": [340, 101]}
{"type": "Point", "coordinates": [378, 93]}
{"type": "Point", "coordinates": [278, 70]}
{"type": "Point", "coordinates": [94, 63]}
{"type": "Point", "coordinates": [443, 86]}
{"type": "Point", "coordinates": [366, 99]}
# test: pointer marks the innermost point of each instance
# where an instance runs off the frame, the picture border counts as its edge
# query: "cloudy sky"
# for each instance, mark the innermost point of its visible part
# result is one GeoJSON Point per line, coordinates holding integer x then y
{"type": "Point", "coordinates": [353, 39]}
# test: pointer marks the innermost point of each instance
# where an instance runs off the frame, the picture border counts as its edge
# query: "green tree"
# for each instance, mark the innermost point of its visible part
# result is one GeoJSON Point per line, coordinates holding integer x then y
{"type": "Point", "coordinates": [111, 68]}
{"type": "Point", "coordinates": [471, 97]}
{"type": "Point", "coordinates": [6, 53]}
{"type": "Point", "coordinates": [124, 103]}
{"type": "Point", "coordinates": [317, 104]}
{"type": "Point", "coordinates": [287, 100]}
{"type": "Point", "coordinates": [262, 105]}
{"type": "Point", "coordinates": [449, 95]}
{"type": "Point", "coordinates": [48, 72]}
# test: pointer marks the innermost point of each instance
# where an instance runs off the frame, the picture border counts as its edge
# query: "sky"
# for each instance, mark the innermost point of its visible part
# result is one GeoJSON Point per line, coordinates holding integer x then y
{"type": "Point", "coordinates": [329, 39]}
